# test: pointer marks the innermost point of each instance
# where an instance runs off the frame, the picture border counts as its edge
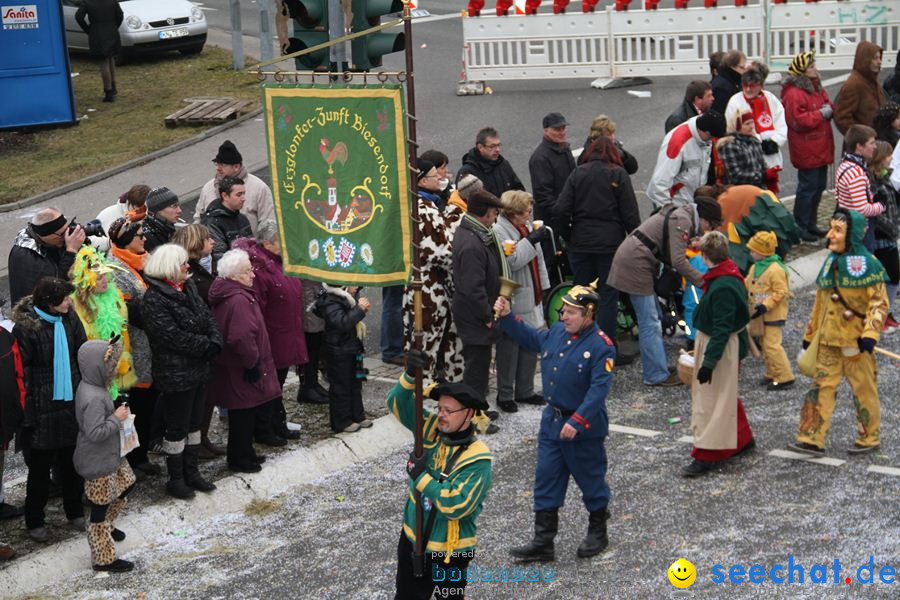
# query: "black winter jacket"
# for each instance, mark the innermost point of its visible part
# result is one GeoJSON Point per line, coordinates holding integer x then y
{"type": "Point", "coordinates": [681, 114]}
{"type": "Point", "coordinates": [628, 160]}
{"type": "Point", "coordinates": [156, 232]}
{"type": "Point", "coordinates": [341, 313]}
{"type": "Point", "coordinates": [597, 208]}
{"type": "Point", "coordinates": [201, 278]}
{"type": "Point", "coordinates": [183, 335]}
{"type": "Point", "coordinates": [48, 424]}
{"type": "Point", "coordinates": [102, 25]}
{"type": "Point", "coordinates": [725, 84]}
{"type": "Point", "coordinates": [476, 284]}
{"type": "Point", "coordinates": [31, 259]}
{"type": "Point", "coordinates": [549, 167]}
{"type": "Point", "coordinates": [497, 176]}
{"type": "Point", "coordinates": [225, 226]}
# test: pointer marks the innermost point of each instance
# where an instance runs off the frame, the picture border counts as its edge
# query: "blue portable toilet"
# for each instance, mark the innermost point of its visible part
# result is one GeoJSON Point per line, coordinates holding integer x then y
{"type": "Point", "coordinates": [35, 84]}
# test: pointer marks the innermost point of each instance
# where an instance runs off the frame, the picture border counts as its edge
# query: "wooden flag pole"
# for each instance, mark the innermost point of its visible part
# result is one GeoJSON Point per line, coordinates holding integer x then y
{"type": "Point", "coordinates": [418, 334]}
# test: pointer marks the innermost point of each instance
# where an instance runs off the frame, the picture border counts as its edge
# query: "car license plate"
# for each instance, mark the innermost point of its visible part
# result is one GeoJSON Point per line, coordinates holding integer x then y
{"type": "Point", "coordinates": [173, 33]}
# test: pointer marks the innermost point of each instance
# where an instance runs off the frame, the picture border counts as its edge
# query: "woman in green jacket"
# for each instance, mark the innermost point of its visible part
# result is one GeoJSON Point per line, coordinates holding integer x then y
{"type": "Point", "coordinates": [718, 421]}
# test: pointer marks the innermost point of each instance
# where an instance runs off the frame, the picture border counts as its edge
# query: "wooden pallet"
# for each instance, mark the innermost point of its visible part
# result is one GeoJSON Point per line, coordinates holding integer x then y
{"type": "Point", "coordinates": [207, 111]}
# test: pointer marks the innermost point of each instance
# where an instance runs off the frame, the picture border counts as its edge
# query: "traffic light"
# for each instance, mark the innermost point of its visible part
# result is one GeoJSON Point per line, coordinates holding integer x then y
{"type": "Point", "coordinates": [368, 50]}
{"type": "Point", "coordinates": [310, 29]}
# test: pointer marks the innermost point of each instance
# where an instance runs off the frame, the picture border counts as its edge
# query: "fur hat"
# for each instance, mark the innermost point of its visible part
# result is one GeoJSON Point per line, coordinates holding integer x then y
{"type": "Point", "coordinates": [763, 243]}
{"type": "Point", "coordinates": [228, 154]}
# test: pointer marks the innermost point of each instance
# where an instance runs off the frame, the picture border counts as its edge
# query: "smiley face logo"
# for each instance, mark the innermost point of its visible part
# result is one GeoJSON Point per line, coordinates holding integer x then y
{"type": "Point", "coordinates": [682, 573]}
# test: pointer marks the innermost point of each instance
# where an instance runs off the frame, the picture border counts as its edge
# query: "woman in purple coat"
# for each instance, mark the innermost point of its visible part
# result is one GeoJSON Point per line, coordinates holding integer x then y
{"type": "Point", "coordinates": [281, 302]}
{"type": "Point", "coordinates": [245, 377]}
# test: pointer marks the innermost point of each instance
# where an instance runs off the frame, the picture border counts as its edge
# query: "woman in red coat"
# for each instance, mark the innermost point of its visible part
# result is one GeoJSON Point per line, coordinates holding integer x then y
{"type": "Point", "coordinates": [245, 378]}
{"type": "Point", "coordinates": [281, 302]}
{"type": "Point", "coordinates": [808, 112]}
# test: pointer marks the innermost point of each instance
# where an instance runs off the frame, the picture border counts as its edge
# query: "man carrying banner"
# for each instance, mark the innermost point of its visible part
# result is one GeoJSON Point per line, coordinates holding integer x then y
{"type": "Point", "coordinates": [577, 361]}
{"type": "Point", "coordinates": [453, 477]}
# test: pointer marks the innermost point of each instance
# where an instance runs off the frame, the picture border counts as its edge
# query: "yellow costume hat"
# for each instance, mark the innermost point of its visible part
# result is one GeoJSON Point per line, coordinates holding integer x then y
{"type": "Point", "coordinates": [763, 242]}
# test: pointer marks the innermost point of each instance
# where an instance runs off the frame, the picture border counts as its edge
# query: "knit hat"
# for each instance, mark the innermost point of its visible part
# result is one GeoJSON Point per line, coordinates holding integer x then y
{"type": "Point", "coordinates": [160, 198]}
{"type": "Point", "coordinates": [708, 209]}
{"type": "Point", "coordinates": [424, 166]}
{"type": "Point", "coordinates": [801, 63]}
{"type": "Point", "coordinates": [712, 123]}
{"type": "Point", "coordinates": [468, 185]}
{"type": "Point", "coordinates": [480, 201]}
{"type": "Point", "coordinates": [763, 243]}
{"type": "Point", "coordinates": [228, 154]}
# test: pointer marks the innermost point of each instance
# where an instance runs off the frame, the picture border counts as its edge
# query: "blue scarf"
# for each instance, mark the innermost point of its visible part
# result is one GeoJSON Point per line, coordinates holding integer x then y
{"type": "Point", "coordinates": [62, 370]}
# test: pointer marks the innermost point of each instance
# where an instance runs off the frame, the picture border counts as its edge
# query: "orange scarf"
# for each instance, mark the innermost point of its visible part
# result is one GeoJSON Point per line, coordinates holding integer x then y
{"type": "Point", "coordinates": [134, 262]}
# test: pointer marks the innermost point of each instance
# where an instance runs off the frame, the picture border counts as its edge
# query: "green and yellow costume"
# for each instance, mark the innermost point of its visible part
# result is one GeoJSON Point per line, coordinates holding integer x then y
{"type": "Point", "coordinates": [459, 497]}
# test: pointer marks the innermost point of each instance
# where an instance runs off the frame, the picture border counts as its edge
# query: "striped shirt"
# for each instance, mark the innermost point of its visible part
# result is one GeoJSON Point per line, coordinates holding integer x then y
{"type": "Point", "coordinates": [853, 190]}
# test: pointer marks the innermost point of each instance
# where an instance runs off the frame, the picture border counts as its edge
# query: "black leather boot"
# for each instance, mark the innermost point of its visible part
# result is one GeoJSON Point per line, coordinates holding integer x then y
{"type": "Point", "coordinates": [546, 524]}
{"type": "Point", "coordinates": [595, 541]}
{"type": "Point", "coordinates": [192, 476]}
{"type": "Point", "coordinates": [176, 486]}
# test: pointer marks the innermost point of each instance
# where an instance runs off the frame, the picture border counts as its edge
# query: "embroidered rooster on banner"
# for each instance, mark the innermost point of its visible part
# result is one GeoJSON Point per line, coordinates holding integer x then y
{"type": "Point", "coordinates": [338, 153]}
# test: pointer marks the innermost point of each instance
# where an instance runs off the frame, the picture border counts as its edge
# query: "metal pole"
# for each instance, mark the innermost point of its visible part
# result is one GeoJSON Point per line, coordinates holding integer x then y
{"type": "Point", "coordinates": [266, 48]}
{"type": "Point", "coordinates": [237, 39]}
{"type": "Point", "coordinates": [418, 334]}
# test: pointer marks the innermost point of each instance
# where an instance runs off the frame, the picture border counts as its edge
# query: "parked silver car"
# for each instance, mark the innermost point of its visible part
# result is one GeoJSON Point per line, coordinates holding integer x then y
{"type": "Point", "coordinates": [149, 26]}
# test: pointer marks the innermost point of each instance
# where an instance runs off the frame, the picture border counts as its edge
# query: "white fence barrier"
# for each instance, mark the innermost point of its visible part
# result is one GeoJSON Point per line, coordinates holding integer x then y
{"type": "Point", "coordinates": [632, 43]}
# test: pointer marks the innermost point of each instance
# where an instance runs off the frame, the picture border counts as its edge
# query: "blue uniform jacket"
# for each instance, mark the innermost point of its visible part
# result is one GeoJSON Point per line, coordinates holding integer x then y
{"type": "Point", "coordinates": [576, 370]}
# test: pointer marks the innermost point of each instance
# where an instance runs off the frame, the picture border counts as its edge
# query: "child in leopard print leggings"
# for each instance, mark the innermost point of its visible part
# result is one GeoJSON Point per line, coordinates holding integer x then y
{"type": "Point", "coordinates": [98, 458]}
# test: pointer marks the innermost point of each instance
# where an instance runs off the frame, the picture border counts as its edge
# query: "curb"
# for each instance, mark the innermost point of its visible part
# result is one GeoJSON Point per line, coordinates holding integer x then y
{"type": "Point", "coordinates": [135, 162]}
{"type": "Point", "coordinates": [303, 465]}
{"type": "Point", "coordinates": [805, 269]}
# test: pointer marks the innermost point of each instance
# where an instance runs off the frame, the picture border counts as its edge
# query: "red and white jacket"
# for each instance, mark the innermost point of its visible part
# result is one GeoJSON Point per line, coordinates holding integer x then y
{"type": "Point", "coordinates": [853, 190]}
{"type": "Point", "coordinates": [681, 166]}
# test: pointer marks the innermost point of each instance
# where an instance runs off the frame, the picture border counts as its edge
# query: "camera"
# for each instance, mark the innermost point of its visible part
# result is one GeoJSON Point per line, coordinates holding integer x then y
{"type": "Point", "coordinates": [92, 228]}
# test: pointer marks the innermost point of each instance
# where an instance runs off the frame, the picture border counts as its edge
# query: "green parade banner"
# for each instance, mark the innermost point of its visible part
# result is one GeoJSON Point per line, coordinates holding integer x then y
{"type": "Point", "coordinates": [338, 157]}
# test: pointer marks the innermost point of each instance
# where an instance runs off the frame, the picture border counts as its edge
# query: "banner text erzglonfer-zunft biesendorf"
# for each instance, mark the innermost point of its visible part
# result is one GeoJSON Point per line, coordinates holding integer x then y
{"type": "Point", "coordinates": [340, 178]}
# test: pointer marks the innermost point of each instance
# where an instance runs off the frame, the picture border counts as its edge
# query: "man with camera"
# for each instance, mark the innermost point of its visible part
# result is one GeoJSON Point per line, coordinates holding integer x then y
{"type": "Point", "coordinates": [46, 247]}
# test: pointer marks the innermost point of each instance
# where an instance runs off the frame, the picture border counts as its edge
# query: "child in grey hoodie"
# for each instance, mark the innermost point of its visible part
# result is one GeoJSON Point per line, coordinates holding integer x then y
{"type": "Point", "coordinates": [108, 478]}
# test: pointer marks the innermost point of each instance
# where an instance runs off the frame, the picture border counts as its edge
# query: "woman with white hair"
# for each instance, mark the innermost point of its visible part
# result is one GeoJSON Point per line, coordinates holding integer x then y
{"type": "Point", "coordinates": [183, 340]}
{"type": "Point", "coordinates": [281, 303]}
{"type": "Point", "coordinates": [245, 379]}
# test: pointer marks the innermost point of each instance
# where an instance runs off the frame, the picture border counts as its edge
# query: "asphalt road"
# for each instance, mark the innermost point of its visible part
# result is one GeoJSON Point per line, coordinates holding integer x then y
{"type": "Point", "coordinates": [336, 538]}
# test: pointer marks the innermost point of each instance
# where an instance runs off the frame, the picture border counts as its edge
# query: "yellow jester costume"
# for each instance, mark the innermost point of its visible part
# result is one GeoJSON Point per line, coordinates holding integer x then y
{"type": "Point", "coordinates": [850, 308]}
{"type": "Point", "coordinates": [103, 314]}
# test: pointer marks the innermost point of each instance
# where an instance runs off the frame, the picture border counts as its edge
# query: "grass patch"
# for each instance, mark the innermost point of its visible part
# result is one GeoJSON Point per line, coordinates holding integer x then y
{"type": "Point", "coordinates": [261, 508]}
{"type": "Point", "coordinates": [113, 133]}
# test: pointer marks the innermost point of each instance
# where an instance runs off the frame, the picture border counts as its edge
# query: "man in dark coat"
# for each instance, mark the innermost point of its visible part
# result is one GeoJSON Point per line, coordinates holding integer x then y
{"type": "Point", "coordinates": [102, 26]}
{"type": "Point", "coordinates": [45, 248]}
{"type": "Point", "coordinates": [478, 264]}
{"type": "Point", "coordinates": [549, 166]}
{"type": "Point", "coordinates": [163, 212]}
{"type": "Point", "coordinates": [484, 162]}
{"type": "Point", "coordinates": [698, 98]}
{"type": "Point", "coordinates": [727, 81]}
{"type": "Point", "coordinates": [224, 218]}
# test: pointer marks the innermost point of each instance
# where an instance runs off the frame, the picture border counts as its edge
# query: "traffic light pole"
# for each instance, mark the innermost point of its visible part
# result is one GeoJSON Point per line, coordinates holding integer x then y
{"type": "Point", "coordinates": [418, 558]}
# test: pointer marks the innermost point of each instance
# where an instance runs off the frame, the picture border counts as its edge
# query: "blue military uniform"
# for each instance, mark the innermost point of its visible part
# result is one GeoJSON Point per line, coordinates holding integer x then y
{"type": "Point", "coordinates": [576, 371]}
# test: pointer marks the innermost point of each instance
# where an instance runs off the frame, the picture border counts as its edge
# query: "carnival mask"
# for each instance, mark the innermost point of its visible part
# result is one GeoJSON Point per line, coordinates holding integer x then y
{"type": "Point", "coordinates": [837, 236]}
